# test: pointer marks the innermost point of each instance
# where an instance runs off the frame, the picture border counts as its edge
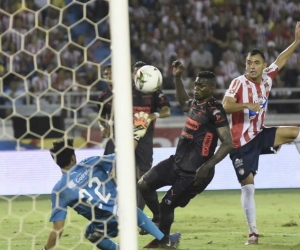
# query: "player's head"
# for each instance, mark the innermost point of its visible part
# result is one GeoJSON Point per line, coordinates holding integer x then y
{"type": "Point", "coordinates": [205, 85]}
{"type": "Point", "coordinates": [136, 67]}
{"type": "Point", "coordinates": [107, 75]}
{"type": "Point", "coordinates": [255, 64]}
{"type": "Point", "coordinates": [63, 153]}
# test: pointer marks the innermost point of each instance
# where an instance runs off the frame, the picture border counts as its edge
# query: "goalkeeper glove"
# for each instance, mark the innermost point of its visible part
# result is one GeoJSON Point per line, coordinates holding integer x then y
{"type": "Point", "coordinates": [141, 123]}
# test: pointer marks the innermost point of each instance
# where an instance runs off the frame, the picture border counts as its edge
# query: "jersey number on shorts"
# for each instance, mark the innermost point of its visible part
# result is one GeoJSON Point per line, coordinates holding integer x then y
{"type": "Point", "coordinates": [96, 195]}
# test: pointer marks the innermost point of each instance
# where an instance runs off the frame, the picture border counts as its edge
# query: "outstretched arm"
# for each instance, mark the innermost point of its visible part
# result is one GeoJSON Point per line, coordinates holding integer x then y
{"type": "Point", "coordinates": [182, 96]}
{"type": "Point", "coordinates": [163, 113]}
{"type": "Point", "coordinates": [287, 53]}
{"type": "Point", "coordinates": [55, 234]}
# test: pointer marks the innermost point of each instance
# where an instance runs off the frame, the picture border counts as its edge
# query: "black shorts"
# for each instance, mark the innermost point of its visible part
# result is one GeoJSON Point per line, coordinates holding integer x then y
{"type": "Point", "coordinates": [245, 159]}
{"type": "Point", "coordinates": [144, 154]}
{"type": "Point", "coordinates": [109, 147]}
{"type": "Point", "coordinates": [183, 190]}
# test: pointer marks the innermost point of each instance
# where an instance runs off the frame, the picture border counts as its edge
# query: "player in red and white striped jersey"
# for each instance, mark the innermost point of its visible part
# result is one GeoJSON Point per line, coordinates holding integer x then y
{"type": "Point", "coordinates": [246, 100]}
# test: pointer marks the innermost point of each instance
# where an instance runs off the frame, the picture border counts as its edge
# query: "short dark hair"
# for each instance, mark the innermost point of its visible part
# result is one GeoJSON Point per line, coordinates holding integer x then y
{"type": "Point", "coordinates": [209, 77]}
{"type": "Point", "coordinates": [62, 151]}
{"type": "Point", "coordinates": [256, 52]}
{"type": "Point", "coordinates": [139, 64]}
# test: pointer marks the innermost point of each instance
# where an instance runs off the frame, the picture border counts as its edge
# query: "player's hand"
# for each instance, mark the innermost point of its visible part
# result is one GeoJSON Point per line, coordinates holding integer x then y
{"type": "Point", "coordinates": [177, 68]}
{"type": "Point", "coordinates": [201, 174]}
{"type": "Point", "coordinates": [141, 123]}
{"type": "Point", "coordinates": [105, 133]}
{"type": "Point", "coordinates": [256, 107]}
{"type": "Point", "coordinates": [297, 32]}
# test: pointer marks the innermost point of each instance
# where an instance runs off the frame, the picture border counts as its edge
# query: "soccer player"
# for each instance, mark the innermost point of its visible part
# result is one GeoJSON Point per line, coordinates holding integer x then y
{"type": "Point", "coordinates": [89, 188]}
{"type": "Point", "coordinates": [246, 100]}
{"type": "Point", "coordinates": [192, 167]}
{"type": "Point", "coordinates": [106, 120]}
{"type": "Point", "coordinates": [155, 104]}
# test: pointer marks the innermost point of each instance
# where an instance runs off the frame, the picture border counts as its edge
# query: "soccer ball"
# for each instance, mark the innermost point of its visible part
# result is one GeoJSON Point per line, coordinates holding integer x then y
{"type": "Point", "coordinates": [148, 79]}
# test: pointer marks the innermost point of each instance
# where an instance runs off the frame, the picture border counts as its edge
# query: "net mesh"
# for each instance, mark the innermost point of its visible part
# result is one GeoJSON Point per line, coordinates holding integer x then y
{"type": "Point", "coordinates": [52, 53]}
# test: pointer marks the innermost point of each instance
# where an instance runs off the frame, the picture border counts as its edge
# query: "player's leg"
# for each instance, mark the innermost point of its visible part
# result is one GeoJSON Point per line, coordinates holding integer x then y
{"type": "Point", "coordinates": [162, 240]}
{"type": "Point", "coordinates": [159, 176]}
{"type": "Point", "coordinates": [143, 160]}
{"type": "Point", "coordinates": [98, 233]}
{"type": "Point", "coordinates": [174, 198]}
{"type": "Point", "coordinates": [139, 197]}
{"type": "Point", "coordinates": [286, 135]}
{"type": "Point", "coordinates": [245, 162]}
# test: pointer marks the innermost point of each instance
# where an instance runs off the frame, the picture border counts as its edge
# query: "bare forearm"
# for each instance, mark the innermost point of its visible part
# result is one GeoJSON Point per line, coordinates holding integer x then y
{"type": "Point", "coordinates": [285, 55]}
{"type": "Point", "coordinates": [182, 96]}
{"type": "Point", "coordinates": [234, 107]}
{"type": "Point", "coordinates": [221, 153]}
{"type": "Point", "coordinates": [164, 112]}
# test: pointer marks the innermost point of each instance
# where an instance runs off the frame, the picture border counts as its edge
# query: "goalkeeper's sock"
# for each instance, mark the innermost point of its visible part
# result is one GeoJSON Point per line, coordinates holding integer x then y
{"type": "Point", "coordinates": [146, 224]}
{"type": "Point", "coordinates": [297, 142]}
{"type": "Point", "coordinates": [107, 244]}
{"type": "Point", "coordinates": [248, 204]}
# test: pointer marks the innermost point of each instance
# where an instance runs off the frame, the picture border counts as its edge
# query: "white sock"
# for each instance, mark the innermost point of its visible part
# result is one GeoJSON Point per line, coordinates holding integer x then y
{"type": "Point", "coordinates": [297, 142]}
{"type": "Point", "coordinates": [248, 204]}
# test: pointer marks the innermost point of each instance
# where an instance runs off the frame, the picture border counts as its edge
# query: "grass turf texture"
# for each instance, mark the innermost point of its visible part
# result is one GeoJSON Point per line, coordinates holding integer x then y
{"type": "Point", "coordinates": [213, 220]}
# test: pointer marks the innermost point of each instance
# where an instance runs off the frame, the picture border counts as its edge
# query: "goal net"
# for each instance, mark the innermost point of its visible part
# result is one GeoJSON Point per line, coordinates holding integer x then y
{"type": "Point", "coordinates": [52, 54]}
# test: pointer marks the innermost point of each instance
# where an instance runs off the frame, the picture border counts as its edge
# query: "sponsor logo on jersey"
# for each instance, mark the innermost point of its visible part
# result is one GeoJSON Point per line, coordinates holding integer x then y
{"type": "Point", "coordinates": [191, 124]}
{"type": "Point", "coordinates": [207, 143]}
{"type": "Point", "coordinates": [187, 135]}
{"type": "Point", "coordinates": [82, 176]}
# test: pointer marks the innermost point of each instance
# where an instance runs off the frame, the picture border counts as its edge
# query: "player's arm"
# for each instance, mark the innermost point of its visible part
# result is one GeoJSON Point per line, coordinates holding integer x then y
{"type": "Point", "coordinates": [231, 106]}
{"type": "Point", "coordinates": [284, 56]}
{"type": "Point", "coordinates": [182, 95]}
{"type": "Point", "coordinates": [55, 234]}
{"type": "Point", "coordinates": [226, 146]}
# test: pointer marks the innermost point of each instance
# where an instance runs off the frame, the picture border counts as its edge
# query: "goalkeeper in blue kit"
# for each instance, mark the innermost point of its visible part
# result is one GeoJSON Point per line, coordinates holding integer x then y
{"type": "Point", "coordinates": [89, 188]}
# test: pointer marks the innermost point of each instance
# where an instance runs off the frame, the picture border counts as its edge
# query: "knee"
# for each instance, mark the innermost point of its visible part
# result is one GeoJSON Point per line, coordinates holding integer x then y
{"type": "Point", "coordinates": [142, 186]}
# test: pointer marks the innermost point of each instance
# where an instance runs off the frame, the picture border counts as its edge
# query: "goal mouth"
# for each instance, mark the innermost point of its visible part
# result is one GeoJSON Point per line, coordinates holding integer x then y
{"type": "Point", "coordinates": [52, 62]}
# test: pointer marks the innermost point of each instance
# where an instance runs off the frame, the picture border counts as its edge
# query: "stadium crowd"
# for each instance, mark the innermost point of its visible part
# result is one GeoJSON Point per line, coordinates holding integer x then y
{"type": "Point", "coordinates": [202, 34]}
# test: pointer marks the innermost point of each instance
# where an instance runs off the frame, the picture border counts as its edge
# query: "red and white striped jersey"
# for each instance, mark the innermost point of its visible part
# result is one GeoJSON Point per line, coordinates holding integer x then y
{"type": "Point", "coordinates": [246, 124]}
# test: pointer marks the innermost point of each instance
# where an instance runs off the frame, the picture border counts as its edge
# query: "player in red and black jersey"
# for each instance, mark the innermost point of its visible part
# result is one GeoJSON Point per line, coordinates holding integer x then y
{"type": "Point", "coordinates": [192, 167]}
{"type": "Point", "coordinates": [155, 104]}
{"type": "Point", "coordinates": [105, 110]}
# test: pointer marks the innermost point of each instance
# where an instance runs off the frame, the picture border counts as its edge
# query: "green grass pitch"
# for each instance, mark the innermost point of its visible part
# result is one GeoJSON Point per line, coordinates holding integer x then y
{"type": "Point", "coordinates": [213, 220]}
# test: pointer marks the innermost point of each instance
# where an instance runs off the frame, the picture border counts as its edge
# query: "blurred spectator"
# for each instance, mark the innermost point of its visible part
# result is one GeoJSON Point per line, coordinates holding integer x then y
{"type": "Point", "coordinates": [271, 52]}
{"type": "Point", "coordinates": [204, 34]}
{"type": "Point", "coordinates": [15, 95]}
{"type": "Point", "coordinates": [202, 58]}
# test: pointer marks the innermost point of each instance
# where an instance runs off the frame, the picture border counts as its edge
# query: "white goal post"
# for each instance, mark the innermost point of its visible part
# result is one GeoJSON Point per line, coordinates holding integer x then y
{"type": "Point", "coordinates": [121, 78]}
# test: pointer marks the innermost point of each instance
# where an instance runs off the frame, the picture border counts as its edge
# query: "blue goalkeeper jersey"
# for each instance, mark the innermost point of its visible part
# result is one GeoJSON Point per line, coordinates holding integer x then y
{"type": "Point", "coordinates": [88, 188]}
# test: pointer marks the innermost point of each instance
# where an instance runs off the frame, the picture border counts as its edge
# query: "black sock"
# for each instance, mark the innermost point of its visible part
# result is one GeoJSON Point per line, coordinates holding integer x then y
{"type": "Point", "coordinates": [166, 217]}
